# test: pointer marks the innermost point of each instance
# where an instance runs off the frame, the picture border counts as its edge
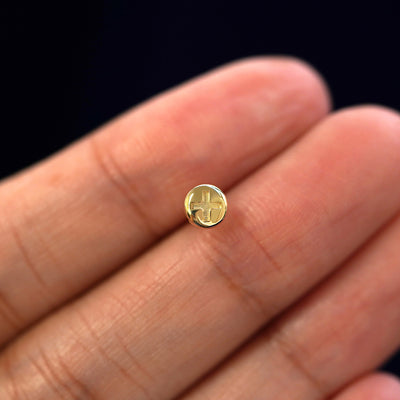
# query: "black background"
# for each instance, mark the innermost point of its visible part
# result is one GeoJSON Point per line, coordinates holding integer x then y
{"type": "Point", "coordinates": [65, 69]}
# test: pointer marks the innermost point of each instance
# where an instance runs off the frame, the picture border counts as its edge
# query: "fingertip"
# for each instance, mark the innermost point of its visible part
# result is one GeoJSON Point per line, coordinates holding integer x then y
{"type": "Point", "coordinates": [366, 126]}
{"type": "Point", "coordinates": [378, 386]}
{"type": "Point", "coordinates": [299, 75]}
{"type": "Point", "coordinates": [369, 114]}
{"type": "Point", "coordinates": [384, 386]}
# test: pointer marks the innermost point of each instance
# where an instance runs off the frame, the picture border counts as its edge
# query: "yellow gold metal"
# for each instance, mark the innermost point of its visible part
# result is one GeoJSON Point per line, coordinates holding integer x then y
{"type": "Point", "coordinates": [205, 206]}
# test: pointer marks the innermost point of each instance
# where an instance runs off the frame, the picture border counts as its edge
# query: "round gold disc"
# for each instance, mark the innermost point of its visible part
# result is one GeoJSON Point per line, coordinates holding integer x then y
{"type": "Point", "coordinates": [205, 206]}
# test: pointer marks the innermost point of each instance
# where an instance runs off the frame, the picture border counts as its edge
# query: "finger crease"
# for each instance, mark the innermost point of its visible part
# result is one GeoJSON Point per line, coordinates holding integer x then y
{"type": "Point", "coordinates": [83, 390]}
{"type": "Point", "coordinates": [116, 177]}
{"type": "Point", "coordinates": [28, 261]}
{"type": "Point", "coordinates": [9, 313]}
{"type": "Point", "coordinates": [13, 387]}
{"type": "Point", "coordinates": [49, 376]}
{"type": "Point", "coordinates": [100, 349]}
{"type": "Point", "coordinates": [286, 349]}
{"type": "Point", "coordinates": [133, 360]}
{"type": "Point", "coordinates": [271, 260]}
{"type": "Point", "coordinates": [249, 296]}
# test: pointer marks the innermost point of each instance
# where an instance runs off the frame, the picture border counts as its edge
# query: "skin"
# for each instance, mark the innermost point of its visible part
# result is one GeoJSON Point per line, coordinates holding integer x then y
{"type": "Point", "coordinates": [107, 293]}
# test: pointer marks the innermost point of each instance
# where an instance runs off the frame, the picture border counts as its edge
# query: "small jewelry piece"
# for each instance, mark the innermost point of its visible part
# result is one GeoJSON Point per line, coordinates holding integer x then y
{"type": "Point", "coordinates": [205, 206]}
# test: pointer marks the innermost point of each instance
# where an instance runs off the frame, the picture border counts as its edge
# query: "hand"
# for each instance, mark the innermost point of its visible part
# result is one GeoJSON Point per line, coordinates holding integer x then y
{"type": "Point", "coordinates": [107, 293]}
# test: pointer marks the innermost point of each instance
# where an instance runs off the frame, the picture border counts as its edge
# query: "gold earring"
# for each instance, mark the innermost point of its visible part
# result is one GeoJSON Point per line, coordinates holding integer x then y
{"type": "Point", "coordinates": [205, 206]}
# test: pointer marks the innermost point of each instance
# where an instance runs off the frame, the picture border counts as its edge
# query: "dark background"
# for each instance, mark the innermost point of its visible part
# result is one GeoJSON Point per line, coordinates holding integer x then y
{"type": "Point", "coordinates": [65, 69]}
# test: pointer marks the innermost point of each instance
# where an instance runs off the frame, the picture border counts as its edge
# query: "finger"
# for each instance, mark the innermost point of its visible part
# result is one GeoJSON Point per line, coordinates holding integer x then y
{"type": "Point", "coordinates": [79, 215]}
{"type": "Point", "coordinates": [345, 328]}
{"type": "Point", "coordinates": [372, 387]}
{"type": "Point", "coordinates": [195, 297]}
